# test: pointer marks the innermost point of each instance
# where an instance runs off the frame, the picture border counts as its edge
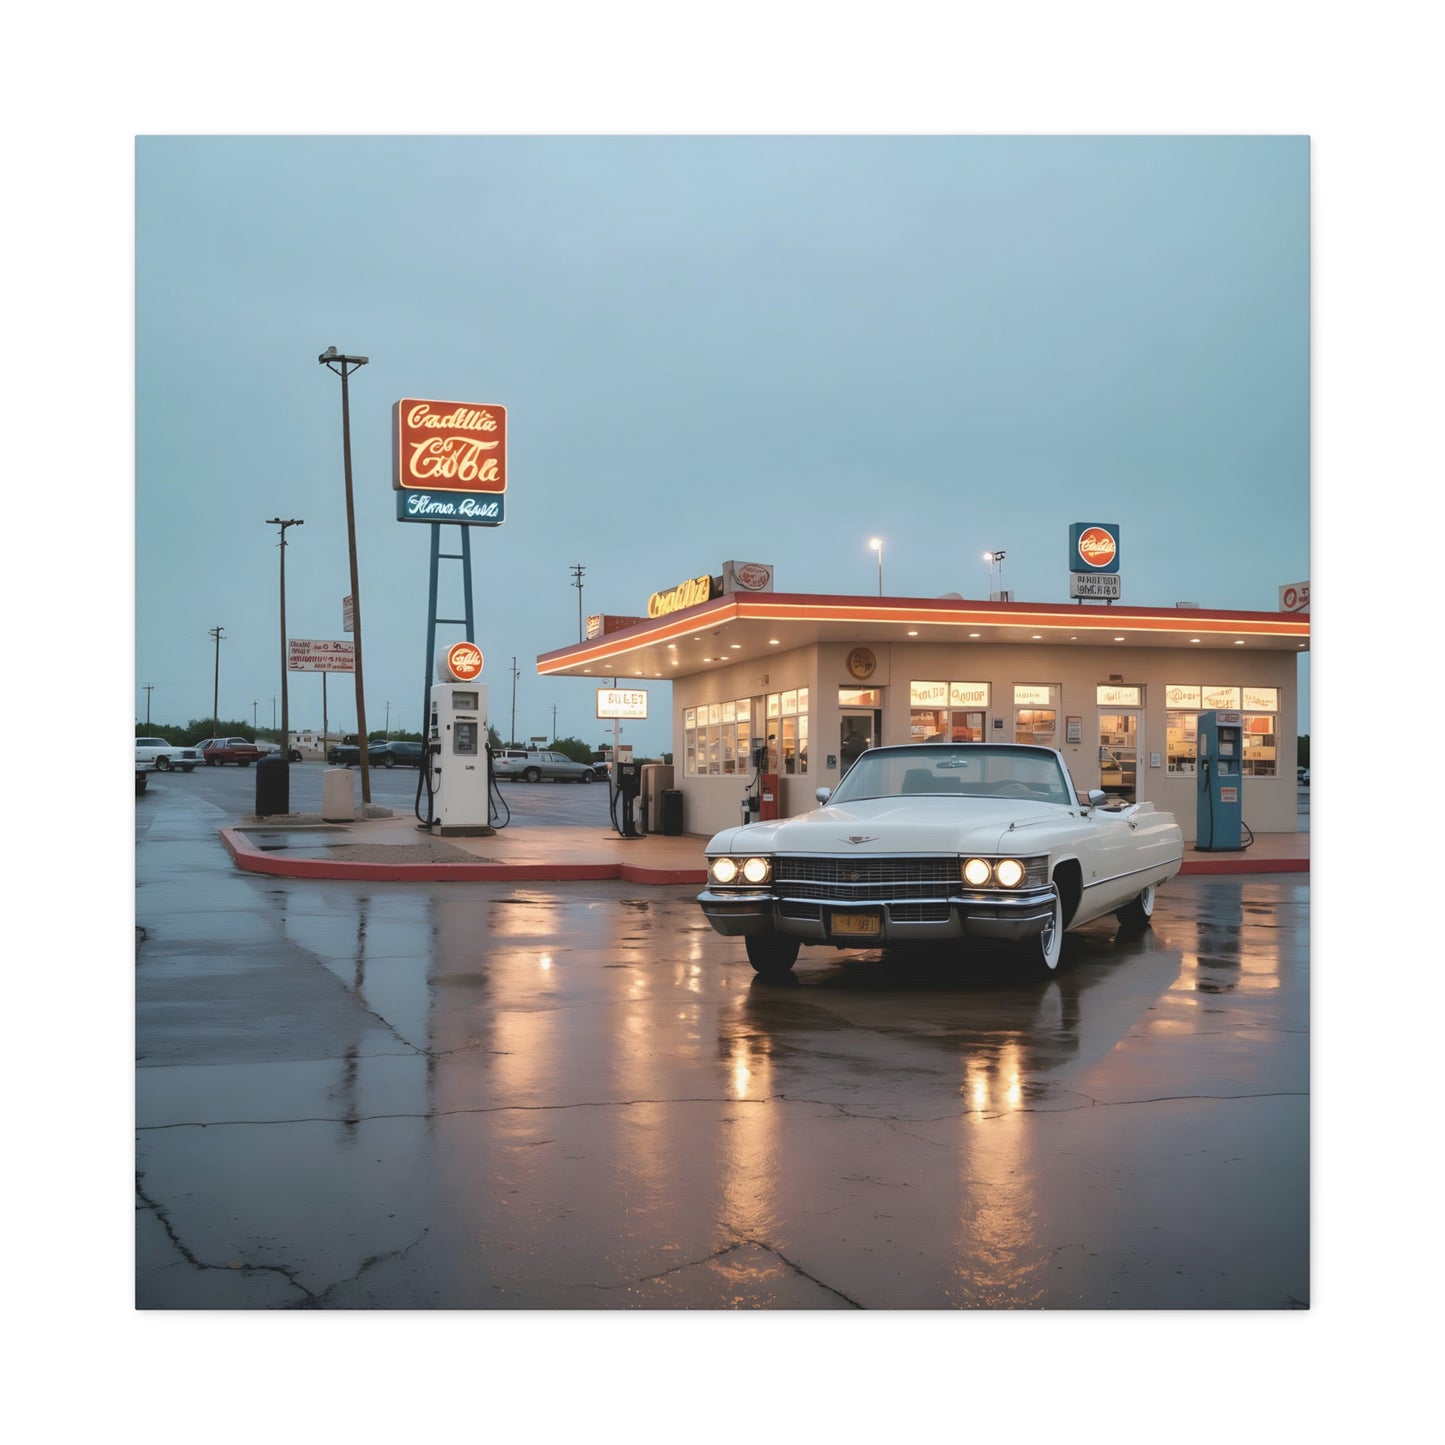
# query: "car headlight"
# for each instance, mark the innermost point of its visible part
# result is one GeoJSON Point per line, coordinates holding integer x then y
{"type": "Point", "coordinates": [757, 870]}
{"type": "Point", "coordinates": [1003, 872]}
{"type": "Point", "coordinates": [1009, 872]}
{"type": "Point", "coordinates": [977, 872]}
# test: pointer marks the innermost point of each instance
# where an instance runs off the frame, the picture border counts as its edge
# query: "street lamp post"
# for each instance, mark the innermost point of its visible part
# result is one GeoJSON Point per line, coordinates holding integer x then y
{"type": "Point", "coordinates": [994, 559]}
{"type": "Point", "coordinates": [876, 543]}
{"type": "Point", "coordinates": [343, 366]}
{"type": "Point", "coordinates": [285, 714]}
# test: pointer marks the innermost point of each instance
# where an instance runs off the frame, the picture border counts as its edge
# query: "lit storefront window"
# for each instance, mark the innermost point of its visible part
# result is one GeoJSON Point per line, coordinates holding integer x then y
{"type": "Point", "coordinates": [1260, 706]}
{"type": "Point", "coordinates": [717, 738]}
{"type": "Point", "coordinates": [1036, 714]}
{"type": "Point", "coordinates": [1181, 740]}
{"type": "Point", "coordinates": [942, 712]}
{"type": "Point", "coordinates": [790, 755]}
{"type": "Point", "coordinates": [1261, 723]}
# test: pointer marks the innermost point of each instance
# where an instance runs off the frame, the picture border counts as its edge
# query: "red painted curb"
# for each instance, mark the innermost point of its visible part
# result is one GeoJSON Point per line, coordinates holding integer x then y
{"type": "Point", "coordinates": [1244, 865]}
{"type": "Point", "coordinates": [253, 860]}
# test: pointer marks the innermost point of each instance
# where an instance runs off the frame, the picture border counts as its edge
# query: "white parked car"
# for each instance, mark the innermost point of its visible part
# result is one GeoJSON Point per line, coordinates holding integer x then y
{"type": "Point", "coordinates": [507, 762]}
{"type": "Point", "coordinates": [536, 767]}
{"type": "Point", "coordinates": [166, 757]}
{"type": "Point", "coordinates": [985, 843]}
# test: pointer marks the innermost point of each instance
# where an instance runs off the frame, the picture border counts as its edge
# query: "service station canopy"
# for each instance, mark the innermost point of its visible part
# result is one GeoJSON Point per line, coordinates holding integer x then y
{"type": "Point", "coordinates": [746, 627]}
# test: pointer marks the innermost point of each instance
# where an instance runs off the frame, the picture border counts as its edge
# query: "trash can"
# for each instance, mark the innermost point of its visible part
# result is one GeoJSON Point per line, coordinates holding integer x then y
{"type": "Point", "coordinates": [338, 795]}
{"type": "Point", "coordinates": [273, 786]}
{"type": "Point", "coordinates": [672, 812]}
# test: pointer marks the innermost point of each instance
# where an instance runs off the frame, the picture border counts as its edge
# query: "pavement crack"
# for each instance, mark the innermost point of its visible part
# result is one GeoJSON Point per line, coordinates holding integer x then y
{"type": "Point", "coordinates": [740, 1241]}
{"type": "Point", "coordinates": [163, 1218]}
{"type": "Point", "coordinates": [320, 1301]}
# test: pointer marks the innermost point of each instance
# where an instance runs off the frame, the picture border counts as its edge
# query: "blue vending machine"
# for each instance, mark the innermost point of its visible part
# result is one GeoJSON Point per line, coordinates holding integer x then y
{"type": "Point", "coordinates": [1220, 764]}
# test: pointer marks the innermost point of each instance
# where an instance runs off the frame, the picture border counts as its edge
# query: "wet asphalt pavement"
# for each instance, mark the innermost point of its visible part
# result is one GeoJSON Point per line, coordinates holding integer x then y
{"type": "Point", "coordinates": [576, 1097]}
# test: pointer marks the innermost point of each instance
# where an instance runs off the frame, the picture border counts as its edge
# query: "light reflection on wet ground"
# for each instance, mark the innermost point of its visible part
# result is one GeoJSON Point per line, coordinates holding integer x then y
{"type": "Point", "coordinates": [471, 1096]}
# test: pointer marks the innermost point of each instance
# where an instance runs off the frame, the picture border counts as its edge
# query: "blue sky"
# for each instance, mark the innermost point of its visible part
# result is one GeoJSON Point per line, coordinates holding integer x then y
{"type": "Point", "coordinates": [711, 347]}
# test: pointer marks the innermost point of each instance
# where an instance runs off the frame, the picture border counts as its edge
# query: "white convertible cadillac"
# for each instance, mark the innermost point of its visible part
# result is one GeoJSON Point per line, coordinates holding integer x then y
{"type": "Point", "coordinates": [978, 841]}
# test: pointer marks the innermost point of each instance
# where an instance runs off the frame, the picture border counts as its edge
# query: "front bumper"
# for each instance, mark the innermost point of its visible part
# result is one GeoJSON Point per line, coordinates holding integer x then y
{"type": "Point", "coordinates": [1015, 918]}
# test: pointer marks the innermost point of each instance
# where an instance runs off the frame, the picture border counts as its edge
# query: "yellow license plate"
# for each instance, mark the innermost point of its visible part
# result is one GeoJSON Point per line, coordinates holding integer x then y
{"type": "Point", "coordinates": [862, 925]}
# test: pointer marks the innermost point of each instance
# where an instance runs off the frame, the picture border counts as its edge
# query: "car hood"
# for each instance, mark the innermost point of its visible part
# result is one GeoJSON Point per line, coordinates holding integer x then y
{"type": "Point", "coordinates": [897, 825]}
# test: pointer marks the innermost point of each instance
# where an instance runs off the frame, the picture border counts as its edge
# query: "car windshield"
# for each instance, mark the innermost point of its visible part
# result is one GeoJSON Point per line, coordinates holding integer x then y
{"type": "Point", "coordinates": [949, 769]}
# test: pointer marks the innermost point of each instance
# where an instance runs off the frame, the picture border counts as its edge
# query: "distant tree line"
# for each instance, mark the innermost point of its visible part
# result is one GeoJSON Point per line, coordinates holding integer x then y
{"type": "Point", "coordinates": [199, 728]}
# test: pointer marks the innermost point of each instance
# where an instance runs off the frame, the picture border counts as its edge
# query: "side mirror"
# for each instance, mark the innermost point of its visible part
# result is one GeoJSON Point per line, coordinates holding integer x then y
{"type": "Point", "coordinates": [1097, 797]}
{"type": "Point", "coordinates": [823, 794]}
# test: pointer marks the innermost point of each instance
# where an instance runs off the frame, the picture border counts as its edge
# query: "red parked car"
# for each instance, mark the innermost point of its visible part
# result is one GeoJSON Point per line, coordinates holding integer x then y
{"type": "Point", "coordinates": [219, 751]}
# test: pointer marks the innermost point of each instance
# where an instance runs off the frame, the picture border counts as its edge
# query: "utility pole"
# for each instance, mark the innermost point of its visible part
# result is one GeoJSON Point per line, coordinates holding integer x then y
{"type": "Point", "coordinates": [513, 738]}
{"type": "Point", "coordinates": [343, 366]}
{"type": "Point", "coordinates": [285, 713]}
{"type": "Point", "coordinates": [150, 688]}
{"type": "Point", "coordinates": [388, 721]}
{"type": "Point", "coordinates": [577, 570]}
{"type": "Point", "coordinates": [218, 633]}
{"type": "Point", "coordinates": [254, 702]}
{"type": "Point", "coordinates": [554, 723]}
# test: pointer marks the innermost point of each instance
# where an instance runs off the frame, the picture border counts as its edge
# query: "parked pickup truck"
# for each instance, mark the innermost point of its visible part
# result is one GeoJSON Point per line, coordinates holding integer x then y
{"type": "Point", "coordinates": [163, 756]}
{"type": "Point", "coordinates": [241, 751]}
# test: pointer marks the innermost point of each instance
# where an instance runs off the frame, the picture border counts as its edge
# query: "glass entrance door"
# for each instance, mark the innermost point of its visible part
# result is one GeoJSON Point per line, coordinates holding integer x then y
{"type": "Point", "coordinates": [858, 729]}
{"type": "Point", "coordinates": [1119, 754]}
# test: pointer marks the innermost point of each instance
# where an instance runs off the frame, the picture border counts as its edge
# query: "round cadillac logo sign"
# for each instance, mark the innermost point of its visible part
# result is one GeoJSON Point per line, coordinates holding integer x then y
{"type": "Point", "coordinates": [861, 663]}
{"type": "Point", "coordinates": [1097, 546]}
{"type": "Point", "coordinates": [463, 661]}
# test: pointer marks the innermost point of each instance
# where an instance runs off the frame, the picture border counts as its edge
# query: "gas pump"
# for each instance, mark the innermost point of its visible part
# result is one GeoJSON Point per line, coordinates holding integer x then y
{"type": "Point", "coordinates": [1220, 765]}
{"type": "Point", "coordinates": [752, 799]}
{"type": "Point", "coordinates": [457, 760]}
{"type": "Point", "coordinates": [768, 795]}
{"type": "Point", "coordinates": [628, 776]}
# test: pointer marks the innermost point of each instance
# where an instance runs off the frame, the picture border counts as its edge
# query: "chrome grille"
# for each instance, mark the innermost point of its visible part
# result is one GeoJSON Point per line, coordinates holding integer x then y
{"type": "Point", "coordinates": [866, 880]}
{"type": "Point", "coordinates": [919, 912]}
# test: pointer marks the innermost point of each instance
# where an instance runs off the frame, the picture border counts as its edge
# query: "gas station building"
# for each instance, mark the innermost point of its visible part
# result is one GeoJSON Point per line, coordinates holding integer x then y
{"type": "Point", "coordinates": [1117, 690]}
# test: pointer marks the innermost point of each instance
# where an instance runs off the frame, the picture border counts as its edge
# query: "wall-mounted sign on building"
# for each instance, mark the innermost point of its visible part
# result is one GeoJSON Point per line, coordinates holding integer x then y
{"type": "Point", "coordinates": [685, 594]}
{"type": "Point", "coordinates": [315, 655]}
{"type": "Point", "coordinates": [747, 577]}
{"type": "Point", "coordinates": [1094, 560]}
{"type": "Point", "coordinates": [449, 462]}
{"type": "Point", "coordinates": [862, 663]}
{"type": "Point", "coordinates": [599, 624]}
{"type": "Point", "coordinates": [621, 702]}
{"type": "Point", "coordinates": [1295, 597]}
